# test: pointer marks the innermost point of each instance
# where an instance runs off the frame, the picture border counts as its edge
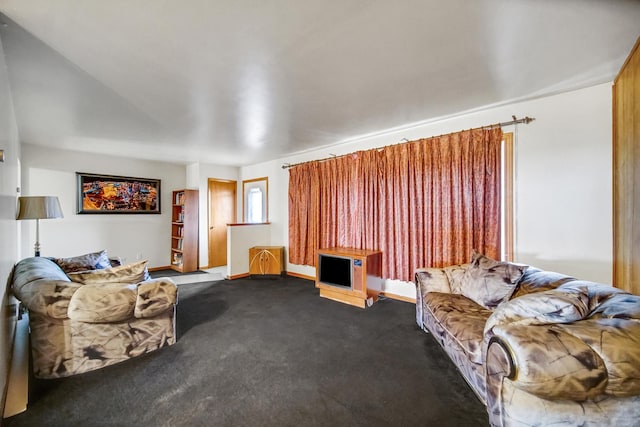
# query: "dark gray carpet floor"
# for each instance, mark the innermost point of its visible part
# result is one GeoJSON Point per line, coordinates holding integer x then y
{"type": "Point", "coordinates": [257, 352]}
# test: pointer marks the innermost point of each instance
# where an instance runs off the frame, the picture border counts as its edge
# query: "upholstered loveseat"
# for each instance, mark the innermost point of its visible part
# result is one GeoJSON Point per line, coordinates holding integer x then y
{"type": "Point", "coordinates": [537, 347]}
{"type": "Point", "coordinates": [85, 320]}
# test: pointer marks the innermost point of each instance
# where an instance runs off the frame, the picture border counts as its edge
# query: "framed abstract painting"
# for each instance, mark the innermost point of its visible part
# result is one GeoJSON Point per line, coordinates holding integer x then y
{"type": "Point", "coordinates": [108, 194]}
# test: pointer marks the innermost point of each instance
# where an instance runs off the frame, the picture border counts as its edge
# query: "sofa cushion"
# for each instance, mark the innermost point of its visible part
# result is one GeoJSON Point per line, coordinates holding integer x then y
{"type": "Point", "coordinates": [92, 261]}
{"type": "Point", "coordinates": [462, 318]}
{"type": "Point", "coordinates": [103, 303]}
{"type": "Point", "coordinates": [129, 273]}
{"type": "Point", "coordinates": [489, 282]}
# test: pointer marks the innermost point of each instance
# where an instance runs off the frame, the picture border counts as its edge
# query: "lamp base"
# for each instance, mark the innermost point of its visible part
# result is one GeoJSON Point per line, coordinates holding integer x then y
{"type": "Point", "coordinates": [36, 247]}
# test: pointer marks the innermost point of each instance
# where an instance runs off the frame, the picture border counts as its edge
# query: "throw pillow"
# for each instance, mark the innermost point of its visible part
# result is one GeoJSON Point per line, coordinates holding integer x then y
{"type": "Point", "coordinates": [541, 308]}
{"type": "Point", "coordinates": [92, 261]}
{"type": "Point", "coordinates": [129, 273]}
{"type": "Point", "coordinates": [489, 282]}
{"type": "Point", "coordinates": [455, 274]}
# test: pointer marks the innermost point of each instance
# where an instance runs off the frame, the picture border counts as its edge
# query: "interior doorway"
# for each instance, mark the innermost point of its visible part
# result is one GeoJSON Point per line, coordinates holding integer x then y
{"type": "Point", "coordinates": [222, 211]}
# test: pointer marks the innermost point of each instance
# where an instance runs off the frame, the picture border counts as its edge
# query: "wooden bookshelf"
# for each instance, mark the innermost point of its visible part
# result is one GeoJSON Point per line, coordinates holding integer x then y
{"type": "Point", "coordinates": [184, 230]}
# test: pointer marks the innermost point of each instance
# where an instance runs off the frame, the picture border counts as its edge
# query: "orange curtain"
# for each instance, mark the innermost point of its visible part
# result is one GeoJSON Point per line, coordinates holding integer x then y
{"type": "Point", "coordinates": [304, 227]}
{"type": "Point", "coordinates": [424, 203]}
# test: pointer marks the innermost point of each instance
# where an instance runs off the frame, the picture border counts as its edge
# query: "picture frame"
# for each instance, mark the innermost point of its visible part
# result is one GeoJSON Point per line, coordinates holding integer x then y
{"type": "Point", "coordinates": [111, 194]}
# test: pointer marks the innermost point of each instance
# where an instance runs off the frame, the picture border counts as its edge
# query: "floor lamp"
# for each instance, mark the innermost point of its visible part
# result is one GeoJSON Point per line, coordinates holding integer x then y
{"type": "Point", "coordinates": [38, 207]}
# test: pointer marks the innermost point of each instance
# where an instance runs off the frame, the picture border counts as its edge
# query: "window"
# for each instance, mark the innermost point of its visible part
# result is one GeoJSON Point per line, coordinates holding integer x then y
{"type": "Point", "coordinates": [255, 200]}
{"type": "Point", "coordinates": [254, 205]}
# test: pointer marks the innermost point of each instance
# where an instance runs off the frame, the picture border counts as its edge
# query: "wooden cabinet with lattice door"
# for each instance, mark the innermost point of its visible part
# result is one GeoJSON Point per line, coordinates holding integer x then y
{"type": "Point", "coordinates": [184, 230]}
{"type": "Point", "coordinates": [266, 260]}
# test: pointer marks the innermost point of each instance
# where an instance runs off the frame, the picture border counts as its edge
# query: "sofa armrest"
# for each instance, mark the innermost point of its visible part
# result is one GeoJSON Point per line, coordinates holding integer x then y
{"type": "Point", "coordinates": [442, 280]}
{"type": "Point", "coordinates": [155, 296]}
{"type": "Point", "coordinates": [546, 361]}
{"type": "Point", "coordinates": [428, 280]}
{"type": "Point", "coordinates": [498, 366]}
{"type": "Point", "coordinates": [432, 280]}
{"type": "Point", "coordinates": [47, 297]}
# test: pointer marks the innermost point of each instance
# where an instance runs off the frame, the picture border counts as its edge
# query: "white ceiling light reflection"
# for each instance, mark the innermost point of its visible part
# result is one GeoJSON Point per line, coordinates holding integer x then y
{"type": "Point", "coordinates": [253, 106]}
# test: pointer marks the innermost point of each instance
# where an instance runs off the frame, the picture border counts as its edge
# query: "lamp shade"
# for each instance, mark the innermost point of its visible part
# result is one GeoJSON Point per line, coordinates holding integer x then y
{"type": "Point", "coordinates": [39, 207]}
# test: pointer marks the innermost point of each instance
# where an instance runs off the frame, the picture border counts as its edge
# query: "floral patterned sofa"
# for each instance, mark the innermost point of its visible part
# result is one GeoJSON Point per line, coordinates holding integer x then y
{"type": "Point", "coordinates": [95, 317]}
{"type": "Point", "coordinates": [537, 347]}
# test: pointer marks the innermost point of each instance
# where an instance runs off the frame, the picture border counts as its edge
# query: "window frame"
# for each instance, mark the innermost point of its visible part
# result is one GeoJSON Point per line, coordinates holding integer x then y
{"type": "Point", "coordinates": [262, 184]}
{"type": "Point", "coordinates": [508, 217]}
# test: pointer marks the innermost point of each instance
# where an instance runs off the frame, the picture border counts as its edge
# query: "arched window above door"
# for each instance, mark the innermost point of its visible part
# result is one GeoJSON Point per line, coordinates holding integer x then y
{"type": "Point", "coordinates": [255, 200]}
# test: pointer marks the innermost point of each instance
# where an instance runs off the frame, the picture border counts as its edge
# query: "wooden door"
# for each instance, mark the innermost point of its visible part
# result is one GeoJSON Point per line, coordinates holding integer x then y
{"type": "Point", "coordinates": [626, 174]}
{"type": "Point", "coordinates": [222, 211]}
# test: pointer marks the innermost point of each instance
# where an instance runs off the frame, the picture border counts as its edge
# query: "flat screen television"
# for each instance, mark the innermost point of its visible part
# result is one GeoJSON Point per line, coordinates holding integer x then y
{"type": "Point", "coordinates": [335, 270]}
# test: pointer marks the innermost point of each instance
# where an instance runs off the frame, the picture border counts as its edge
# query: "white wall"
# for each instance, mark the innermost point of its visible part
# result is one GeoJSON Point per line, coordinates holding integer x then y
{"type": "Point", "coordinates": [52, 172]}
{"type": "Point", "coordinates": [563, 189]}
{"type": "Point", "coordinates": [9, 182]}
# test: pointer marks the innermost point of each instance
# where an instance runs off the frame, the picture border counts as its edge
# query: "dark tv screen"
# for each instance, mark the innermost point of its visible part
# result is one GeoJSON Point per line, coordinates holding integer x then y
{"type": "Point", "coordinates": [335, 270]}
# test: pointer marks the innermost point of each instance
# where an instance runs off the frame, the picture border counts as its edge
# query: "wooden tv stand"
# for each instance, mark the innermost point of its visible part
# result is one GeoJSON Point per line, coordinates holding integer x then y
{"type": "Point", "coordinates": [366, 271]}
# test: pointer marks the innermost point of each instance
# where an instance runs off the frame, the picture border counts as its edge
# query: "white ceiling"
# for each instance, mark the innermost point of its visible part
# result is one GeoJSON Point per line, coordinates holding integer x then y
{"type": "Point", "coordinates": [241, 81]}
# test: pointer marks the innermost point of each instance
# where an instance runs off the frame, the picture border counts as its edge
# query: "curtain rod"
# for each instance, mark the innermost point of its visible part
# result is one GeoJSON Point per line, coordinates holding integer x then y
{"type": "Point", "coordinates": [526, 120]}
